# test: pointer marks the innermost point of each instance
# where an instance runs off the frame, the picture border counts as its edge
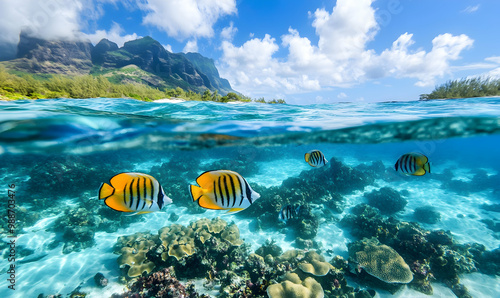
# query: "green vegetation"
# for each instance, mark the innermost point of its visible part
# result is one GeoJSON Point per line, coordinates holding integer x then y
{"type": "Point", "coordinates": [28, 86]}
{"type": "Point", "coordinates": [272, 101]}
{"type": "Point", "coordinates": [465, 88]}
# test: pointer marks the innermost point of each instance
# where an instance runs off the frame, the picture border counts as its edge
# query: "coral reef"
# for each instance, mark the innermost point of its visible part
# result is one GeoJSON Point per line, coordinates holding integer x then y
{"type": "Point", "coordinates": [78, 225]}
{"type": "Point", "coordinates": [431, 254]}
{"type": "Point", "coordinates": [293, 286]}
{"type": "Point", "coordinates": [427, 214]}
{"type": "Point", "coordinates": [387, 200]}
{"type": "Point", "coordinates": [380, 261]}
{"type": "Point", "coordinates": [202, 246]}
{"type": "Point", "coordinates": [161, 284]}
{"type": "Point", "coordinates": [243, 164]}
{"type": "Point", "coordinates": [321, 187]}
{"type": "Point", "coordinates": [67, 175]}
{"type": "Point", "coordinates": [100, 280]}
{"type": "Point", "coordinates": [177, 173]}
{"type": "Point", "coordinates": [132, 250]}
{"type": "Point", "coordinates": [314, 264]}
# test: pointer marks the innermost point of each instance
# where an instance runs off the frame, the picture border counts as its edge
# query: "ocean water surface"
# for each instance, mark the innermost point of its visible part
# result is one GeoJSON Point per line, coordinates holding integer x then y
{"type": "Point", "coordinates": [445, 225]}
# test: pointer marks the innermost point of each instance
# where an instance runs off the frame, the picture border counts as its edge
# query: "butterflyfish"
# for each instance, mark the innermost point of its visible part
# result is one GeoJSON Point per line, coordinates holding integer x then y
{"type": "Point", "coordinates": [315, 158]}
{"type": "Point", "coordinates": [223, 190]}
{"type": "Point", "coordinates": [413, 163]}
{"type": "Point", "coordinates": [133, 192]}
{"type": "Point", "coordinates": [288, 212]}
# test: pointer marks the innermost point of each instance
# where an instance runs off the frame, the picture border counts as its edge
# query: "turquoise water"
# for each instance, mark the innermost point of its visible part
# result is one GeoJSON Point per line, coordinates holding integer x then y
{"type": "Point", "coordinates": [56, 153]}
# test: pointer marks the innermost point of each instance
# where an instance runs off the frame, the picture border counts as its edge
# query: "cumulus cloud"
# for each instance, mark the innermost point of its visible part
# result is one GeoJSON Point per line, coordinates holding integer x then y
{"type": "Point", "coordinates": [44, 19]}
{"type": "Point", "coordinates": [168, 48]}
{"type": "Point", "coordinates": [339, 59]}
{"type": "Point", "coordinates": [51, 19]}
{"type": "Point", "coordinates": [186, 18]}
{"type": "Point", "coordinates": [114, 34]}
{"type": "Point", "coordinates": [191, 46]}
{"type": "Point", "coordinates": [228, 33]}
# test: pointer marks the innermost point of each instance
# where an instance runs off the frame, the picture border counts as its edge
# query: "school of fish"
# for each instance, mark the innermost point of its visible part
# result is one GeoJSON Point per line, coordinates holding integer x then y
{"type": "Point", "coordinates": [227, 190]}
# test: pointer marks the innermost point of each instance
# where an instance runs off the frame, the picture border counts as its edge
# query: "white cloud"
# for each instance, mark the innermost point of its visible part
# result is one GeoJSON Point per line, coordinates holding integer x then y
{"type": "Point", "coordinates": [471, 9]}
{"type": "Point", "coordinates": [168, 48]}
{"type": "Point", "coordinates": [399, 61]}
{"type": "Point", "coordinates": [114, 34]}
{"type": "Point", "coordinates": [339, 59]}
{"type": "Point", "coordinates": [494, 59]}
{"type": "Point", "coordinates": [52, 19]}
{"type": "Point", "coordinates": [44, 19]}
{"type": "Point", "coordinates": [191, 46]}
{"type": "Point", "coordinates": [186, 18]}
{"type": "Point", "coordinates": [228, 33]}
{"type": "Point", "coordinates": [344, 33]}
{"type": "Point", "coordinates": [494, 74]}
{"type": "Point", "coordinates": [342, 95]}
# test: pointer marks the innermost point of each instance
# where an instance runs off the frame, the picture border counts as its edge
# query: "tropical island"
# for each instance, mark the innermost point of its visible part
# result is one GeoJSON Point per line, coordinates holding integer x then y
{"type": "Point", "coordinates": [142, 69]}
{"type": "Point", "coordinates": [465, 88]}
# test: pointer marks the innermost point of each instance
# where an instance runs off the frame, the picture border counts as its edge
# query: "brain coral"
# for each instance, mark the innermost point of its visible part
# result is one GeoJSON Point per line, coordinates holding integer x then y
{"type": "Point", "coordinates": [294, 287]}
{"type": "Point", "coordinates": [315, 264]}
{"type": "Point", "coordinates": [383, 262]}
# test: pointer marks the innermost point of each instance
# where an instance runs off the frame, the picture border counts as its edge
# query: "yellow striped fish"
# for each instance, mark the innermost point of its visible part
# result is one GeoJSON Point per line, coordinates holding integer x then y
{"type": "Point", "coordinates": [134, 192]}
{"type": "Point", "coordinates": [315, 158]}
{"type": "Point", "coordinates": [413, 163]}
{"type": "Point", "coordinates": [223, 190]}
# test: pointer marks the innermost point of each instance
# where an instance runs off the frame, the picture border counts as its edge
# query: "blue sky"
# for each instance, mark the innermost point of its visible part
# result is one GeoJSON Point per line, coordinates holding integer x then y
{"type": "Point", "coordinates": [303, 51]}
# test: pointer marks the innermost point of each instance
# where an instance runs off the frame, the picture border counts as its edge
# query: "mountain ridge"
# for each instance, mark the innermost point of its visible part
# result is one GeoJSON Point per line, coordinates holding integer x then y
{"type": "Point", "coordinates": [191, 72]}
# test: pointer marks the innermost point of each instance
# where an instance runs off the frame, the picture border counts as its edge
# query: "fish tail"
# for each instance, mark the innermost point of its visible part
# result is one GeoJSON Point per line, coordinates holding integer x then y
{"type": "Point", "coordinates": [307, 157]}
{"type": "Point", "coordinates": [105, 191]}
{"type": "Point", "coordinates": [427, 167]}
{"type": "Point", "coordinates": [196, 192]}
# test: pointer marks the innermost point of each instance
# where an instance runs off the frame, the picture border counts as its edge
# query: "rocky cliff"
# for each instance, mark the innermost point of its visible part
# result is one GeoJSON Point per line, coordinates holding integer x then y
{"type": "Point", "coordinates": [57, 57]}
{"type": "Point", "coordinates": [160, 68]}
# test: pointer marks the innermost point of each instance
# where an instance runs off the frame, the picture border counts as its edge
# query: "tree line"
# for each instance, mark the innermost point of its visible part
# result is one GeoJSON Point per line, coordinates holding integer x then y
{"type": "Point", "coordinates": [39, 86]}
{"type": "Point", "coordinates": [465, 88]}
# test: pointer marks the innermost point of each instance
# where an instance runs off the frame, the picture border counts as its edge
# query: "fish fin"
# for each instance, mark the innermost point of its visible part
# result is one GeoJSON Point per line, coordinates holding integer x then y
{"type": "Point", "coordinates": [419, 172]}
{"type": "Point", "coordinates": [307, 157]}
{"type": "Point", "coordinates": [116, 202]}
{"type": "Point", "coordinates": [207, 179]}
{"type": "Point", "coordinates": [234, 210]}
{"type": "Point", "coordinates": [196, 192]}
{"type": "Point", "coordinates": [421, 160]}
{"type": "Point", "coordinates": [207, 203]}
{"type": "Point", "coordinates": [119, 181]}
{"type": "Point", "coordinates": [140, 212]}
{"type": "Point", "coordinates": [105, 191]}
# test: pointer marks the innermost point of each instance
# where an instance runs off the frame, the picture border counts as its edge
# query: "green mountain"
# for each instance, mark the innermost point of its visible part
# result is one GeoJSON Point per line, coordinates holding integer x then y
{"type": "Point", "coordinates": [207, 66]}
{"type": "Point", "coordinates": [143, 60]}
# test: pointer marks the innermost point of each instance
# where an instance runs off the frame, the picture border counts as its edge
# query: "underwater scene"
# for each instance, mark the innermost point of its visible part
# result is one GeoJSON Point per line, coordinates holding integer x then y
{"type": "Point", "coordinates": [122, 198]}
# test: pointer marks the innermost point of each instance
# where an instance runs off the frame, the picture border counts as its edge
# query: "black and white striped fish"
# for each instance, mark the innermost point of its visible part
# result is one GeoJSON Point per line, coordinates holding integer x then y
{"type": "Point", "coordinates": [223, 190]}
{"type": "Point", "coordinates": [133, 192]}
{"type": "Point", "coordinates": [413, 163]}
{"type": "Point", "coordinates": [315, 158]}
{"type": "Point", "coordinates": [288, 212]}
